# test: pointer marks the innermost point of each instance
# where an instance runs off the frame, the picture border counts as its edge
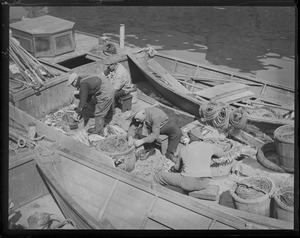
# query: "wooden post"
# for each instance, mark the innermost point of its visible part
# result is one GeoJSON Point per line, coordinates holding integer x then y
{"type": "Point", "coordinates": [122, 35]}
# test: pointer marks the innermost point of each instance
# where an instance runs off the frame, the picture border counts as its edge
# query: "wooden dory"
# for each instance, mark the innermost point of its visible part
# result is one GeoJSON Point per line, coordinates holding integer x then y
{"type": "Point", "coordinates": [188, 85]}
{"type": "Point", "coordinates": [95, 195]}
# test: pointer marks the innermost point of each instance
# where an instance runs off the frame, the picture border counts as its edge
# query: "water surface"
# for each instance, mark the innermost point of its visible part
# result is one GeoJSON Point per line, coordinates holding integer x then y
{"type": "Point", "coordinates": [258, 41]}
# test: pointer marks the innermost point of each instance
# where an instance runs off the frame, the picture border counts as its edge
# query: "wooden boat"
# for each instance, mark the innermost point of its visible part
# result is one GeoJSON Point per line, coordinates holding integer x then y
{"type": "Point", "coordinates": [188, 85]}
{"type": "Point", "coordinates": [95, 195]}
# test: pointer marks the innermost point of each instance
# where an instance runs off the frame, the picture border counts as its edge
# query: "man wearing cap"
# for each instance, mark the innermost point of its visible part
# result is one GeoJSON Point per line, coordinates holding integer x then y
{"type": "Point", "coordinates": [119, 77]}
{"type": "Point", "coordinates": [192, 170]}
{"type": "Point", "coordinates": [96, 92]}
{"type": "Point", "coordinates": [148, 124]}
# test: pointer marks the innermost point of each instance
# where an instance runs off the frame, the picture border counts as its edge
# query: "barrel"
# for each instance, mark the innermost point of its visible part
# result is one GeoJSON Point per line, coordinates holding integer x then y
{"type": "Point", "coordinates": [257, 202]}
{"type": "Point", "coordinates": [284, 203]}
{"type": "Point", "coordinates": [284, 140]}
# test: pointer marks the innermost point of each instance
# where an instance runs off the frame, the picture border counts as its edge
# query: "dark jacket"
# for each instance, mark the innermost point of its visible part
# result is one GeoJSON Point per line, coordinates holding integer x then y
{"type": "Point", "coordinates": [155, 120]}
{"type": "Point", "coordinates": [93, 85]}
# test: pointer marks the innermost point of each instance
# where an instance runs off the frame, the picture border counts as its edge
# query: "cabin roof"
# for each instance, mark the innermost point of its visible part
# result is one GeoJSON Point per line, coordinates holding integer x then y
{"type": "Point", "coordinates": [42, 25]}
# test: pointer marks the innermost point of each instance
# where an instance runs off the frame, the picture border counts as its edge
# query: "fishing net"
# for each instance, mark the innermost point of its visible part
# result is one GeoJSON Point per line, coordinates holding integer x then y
{"type": "Point", "coordinates": [253, 188]}
{"type": "Point", "coordinates": [285, 133]}
{"type": "Point", "coordinates": [113, 144]}
{"type": "Point", "coordinates": [228, 146]}
{"type": "Point", "coordinates": [223, 143]}
{"type": "Point", "coordinates": [263, 112]}
{"type": "Point", "coordinates": [118, 149]}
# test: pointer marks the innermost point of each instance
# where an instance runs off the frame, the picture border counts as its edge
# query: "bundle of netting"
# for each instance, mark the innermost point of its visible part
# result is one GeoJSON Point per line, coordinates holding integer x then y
{"type": "Point", "coordinates": [238, 118]}
{"type": "Point", "coordinates": [216, 113]}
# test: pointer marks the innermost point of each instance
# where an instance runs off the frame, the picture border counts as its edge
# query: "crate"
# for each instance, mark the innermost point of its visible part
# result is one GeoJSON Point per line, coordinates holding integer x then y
{"type": "Point", "coordinates": [54, 95]}
{"type": "Point", "coordinates": [125, 103]}
{"type": "Point", "coordinates": [162, 142]}
{"type": "Point", "coordinates": [45, 36]}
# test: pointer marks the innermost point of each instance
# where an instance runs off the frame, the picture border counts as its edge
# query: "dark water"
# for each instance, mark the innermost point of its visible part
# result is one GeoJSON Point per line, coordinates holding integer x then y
{"type": "Point", "coordinates": [258, 41]}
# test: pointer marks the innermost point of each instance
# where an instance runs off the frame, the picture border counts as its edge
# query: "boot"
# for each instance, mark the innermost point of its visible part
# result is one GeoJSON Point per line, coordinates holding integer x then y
{"type": "Point", "coordinates": [99, 124]}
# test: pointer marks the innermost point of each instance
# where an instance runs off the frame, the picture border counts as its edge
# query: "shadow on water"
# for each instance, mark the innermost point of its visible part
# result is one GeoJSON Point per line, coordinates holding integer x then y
{"type": "Point", "coordinates": [237, 37]}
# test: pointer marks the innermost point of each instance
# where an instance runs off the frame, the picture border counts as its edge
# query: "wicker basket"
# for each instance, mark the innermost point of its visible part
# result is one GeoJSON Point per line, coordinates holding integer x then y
{"type": "Point", "coordinates": [260, 202]}
{"type": "Point", "coordinates": [222, 170]}
{"type": "Point", "coordinates": [283, 211]}
{"type": "Point", "coordinates": [284, 140]}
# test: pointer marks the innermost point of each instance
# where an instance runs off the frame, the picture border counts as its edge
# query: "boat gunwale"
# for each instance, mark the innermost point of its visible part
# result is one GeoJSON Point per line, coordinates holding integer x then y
{"type": "Point", "coordinates": [229, 73]}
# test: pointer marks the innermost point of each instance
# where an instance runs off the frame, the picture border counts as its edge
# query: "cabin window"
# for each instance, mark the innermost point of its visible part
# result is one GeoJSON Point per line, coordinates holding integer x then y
{"type": "Point", "coordinates": [42, 45]}
{"type": "Point", "coordinates": [63, 43]}
{"type": "Point", "coordinates": [76, 62]}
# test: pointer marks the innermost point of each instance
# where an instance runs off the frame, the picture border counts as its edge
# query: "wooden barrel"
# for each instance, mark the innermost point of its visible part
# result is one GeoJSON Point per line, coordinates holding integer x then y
{"type": "Point", "coordinates": [284, 203]}
{"type": "Point", "coordinates": [284, 140]}
{"type": "Point", "coordinates": [259, 204]}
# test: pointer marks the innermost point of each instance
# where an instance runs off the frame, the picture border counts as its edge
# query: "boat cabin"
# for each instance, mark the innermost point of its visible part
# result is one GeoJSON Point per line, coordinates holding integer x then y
{"type": "Point", "coordinates": [45, 36]}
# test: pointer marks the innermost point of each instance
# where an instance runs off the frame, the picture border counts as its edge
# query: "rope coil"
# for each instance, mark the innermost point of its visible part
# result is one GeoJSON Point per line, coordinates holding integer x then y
{"type": "Point", "coordinates": [238, 118]}
{"type": "Point", "coordinates": [216, 113]}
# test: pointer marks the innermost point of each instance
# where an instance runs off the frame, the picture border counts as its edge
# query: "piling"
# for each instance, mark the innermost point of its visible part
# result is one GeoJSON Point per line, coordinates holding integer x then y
{"type": "Point", "coordinates": [122, 35]}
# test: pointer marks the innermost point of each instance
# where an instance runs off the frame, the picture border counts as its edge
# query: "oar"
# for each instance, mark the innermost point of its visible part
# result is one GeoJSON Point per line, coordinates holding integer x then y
{"type": "Point", "coordinates": [216, 79]}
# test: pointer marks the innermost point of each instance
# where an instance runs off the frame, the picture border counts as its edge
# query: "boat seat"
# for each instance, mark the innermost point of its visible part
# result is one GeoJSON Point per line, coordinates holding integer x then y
{"type": "Point", "coordinates": [210, 193]}
{"type": "Point", "coordinates": [162, 143]}
{"type": "Point", "coordinates": [227, 93]}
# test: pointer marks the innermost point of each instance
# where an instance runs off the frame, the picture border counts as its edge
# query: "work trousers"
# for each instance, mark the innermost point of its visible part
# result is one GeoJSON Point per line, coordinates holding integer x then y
{"type": "Point", "coordinates": [171, 130]}
{"type": "Point", "coordinates": [181, 183]}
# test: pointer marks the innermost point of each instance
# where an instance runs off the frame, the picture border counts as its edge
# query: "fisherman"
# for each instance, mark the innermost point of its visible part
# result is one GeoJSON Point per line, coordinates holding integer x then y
{"type": "Point", "coordinates": [148, 124]}
{"type": "Point", "coordinates": [119, 77]}
{"type": "Point", "coordinates": [192, 171]}
{"type": "Point", "coordinates": [96, 95]}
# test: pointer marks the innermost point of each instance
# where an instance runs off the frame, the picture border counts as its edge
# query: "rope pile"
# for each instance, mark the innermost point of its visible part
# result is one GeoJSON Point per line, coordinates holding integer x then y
{"type": "Point", "coordinates": [216, 113]}
{"type": "Point", "coordinates": [33, 72]}
{"type": "Point", "coordinates": [238, 118]}
{"type": "Point", "coordinates": [221, 116]}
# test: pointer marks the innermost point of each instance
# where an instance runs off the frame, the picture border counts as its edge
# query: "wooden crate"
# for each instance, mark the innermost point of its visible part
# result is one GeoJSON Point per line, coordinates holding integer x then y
{"type": "Point", "coordinates": [52, 96]}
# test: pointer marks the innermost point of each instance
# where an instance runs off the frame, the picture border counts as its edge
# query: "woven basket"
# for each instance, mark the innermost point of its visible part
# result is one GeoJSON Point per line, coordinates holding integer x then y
{"type": "Point", "coordinates": [282, 210]}
{"type": "Point", "coordinates": [284, 140]}
{"type": "Point", "coordinates": [126, 151]}
{"type": "Point", "coordinates": [261, 203]}
{"type": "Point", "coordinates": [222, 171]}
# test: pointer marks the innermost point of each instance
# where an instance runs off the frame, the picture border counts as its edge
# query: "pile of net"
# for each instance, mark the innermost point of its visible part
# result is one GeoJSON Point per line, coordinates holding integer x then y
{"type": "Point", "coordinates": [253, 188]}
{"type": "Point", "coordinates": [263, 112]}
{"type": "Point", "coordinates": [113, 145]}
{"type": "Point", "coordinates": [229, 148]}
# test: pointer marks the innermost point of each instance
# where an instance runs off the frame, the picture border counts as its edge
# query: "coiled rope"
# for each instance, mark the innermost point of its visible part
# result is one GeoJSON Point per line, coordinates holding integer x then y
{"type": "Point", "coordinates": [216, 113]}
{"type": "Point", "coordinates": [238, 118]}
{"type": "Point", "coordinates": [222, 117]}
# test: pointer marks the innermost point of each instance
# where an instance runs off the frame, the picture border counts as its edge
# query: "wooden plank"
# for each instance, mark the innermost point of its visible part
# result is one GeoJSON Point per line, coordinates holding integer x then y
{"type": "Point", "coordinates": [149, 212]}
{"type": "Point", "coordinates": [102, 209]}
{"type": "Point", "coordinates": [168, 77]}
{"type": "Point", "coordinates": [221, 90]}
{"type": "Point", "coordinates": [235, 97]}
{"type": "Point", "coordinates": [246, 138]}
